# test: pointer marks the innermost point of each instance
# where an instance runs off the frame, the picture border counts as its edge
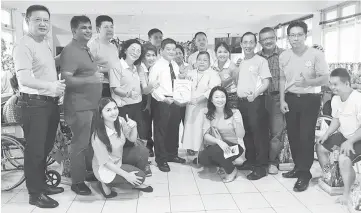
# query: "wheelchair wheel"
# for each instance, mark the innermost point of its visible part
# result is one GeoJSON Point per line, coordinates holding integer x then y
{"type": "Point", "coordinates": [12, 162]}
{"type": "Point", "coordinates": [53, 178]}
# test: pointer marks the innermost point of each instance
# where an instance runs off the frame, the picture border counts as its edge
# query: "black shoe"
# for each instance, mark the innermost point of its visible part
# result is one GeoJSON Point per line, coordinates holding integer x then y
{"type": "Point", "coordinates": [301, 184]}
{"type": "Point", "coordinates": [146, 189]}
{"type": "Point", "coordinates": [147, 170]}
{"type": "Point", "coordinates": [81, 189]}
{"type": "Point", "coordinates": [49, 190]}
{"type": "Point", "coordinates": [291, 174]}
{"type": "Point", "coordinates": [164, 167]}
{"type": "Point", "coordinates": [111, 195]}
{"type": "Point", "coordinates": [177, 159]}
{"type": "Point", "coordinates": [43, 201]}
{"type": "Point", "coordinates": [91, 178]}
{"type": "Point", "coordinates": [257, 174]}
{"type": "Point", "coordinates": [245, 166]}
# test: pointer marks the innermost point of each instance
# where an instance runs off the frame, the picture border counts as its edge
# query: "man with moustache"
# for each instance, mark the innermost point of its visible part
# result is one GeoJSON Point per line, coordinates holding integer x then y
{"type": "Point", "coordinates": [105, 53]}
{"type": "Point", "coordinates": [271, 52]}
{"type": "Point", "coordinates": [81, 98]}
{"type": "Point", "coordinates": [253, 81]}
{"type": "Point", "coordinates": [39, 95]}
{"type": "Point", "coordinates": [303, 71]}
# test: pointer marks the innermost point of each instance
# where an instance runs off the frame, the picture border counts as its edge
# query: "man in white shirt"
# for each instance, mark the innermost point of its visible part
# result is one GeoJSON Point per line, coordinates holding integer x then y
{"type": "Point", "coordinates": [201, 42]}
{"type": "Point", "coordinates": [346, 113]}
{"type": "Point", "coordinates": [105, 54]}
{"type": "Point", "coordinates": [165, 111]}
{"type": "Point", "coordinates": [155, 37]}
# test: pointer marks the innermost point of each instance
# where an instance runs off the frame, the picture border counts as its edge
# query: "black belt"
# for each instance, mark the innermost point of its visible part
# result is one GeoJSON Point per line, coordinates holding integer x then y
{"type": "Point", "coordinates": [274, 93]}
{"type": "Point", "coordinates": [303, 95]}
{"type": "Point", "coordinates": [246, 99]}
{"type": "Point", "coordinates": [39, 97]}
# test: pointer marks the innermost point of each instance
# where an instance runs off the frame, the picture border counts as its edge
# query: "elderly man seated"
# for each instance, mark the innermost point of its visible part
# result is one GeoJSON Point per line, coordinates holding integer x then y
{"type": "Point", "coordinates": [346, 113]}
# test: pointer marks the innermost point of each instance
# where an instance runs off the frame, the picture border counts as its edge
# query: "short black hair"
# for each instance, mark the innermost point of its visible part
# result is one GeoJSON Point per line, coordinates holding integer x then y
{"type": "Point", "coordinates": [149, 47]}
{"type": "Point", "coordinates": [99, 20]}
{"type": "Point", "coordinates": [200, 33]}
{"type": "Point", "coordinates": [153, 31]}
{"type": "Point", "coordinates": [266, 30]}
{"type": "Point", "coordinates": [125, 45]}
{"type": "Point", "coordinates": [222, 44]}
{"type": "Point", "coordinates": [204, 53]}
{"type": "Point", "coordinates": [76, 20]}
{"type": "Point", "coordinates": [249, 33]}
{"type": "Point", "coordinates": [342, 73]}
{"type": "Point", "coordinates": [301, 24]}
{"type": "Point", "coordinates": [167, 41]}
{"type": "Point", "coordinates": [180, 47]}
{"type": "Point", "coordinates": [34, 8]}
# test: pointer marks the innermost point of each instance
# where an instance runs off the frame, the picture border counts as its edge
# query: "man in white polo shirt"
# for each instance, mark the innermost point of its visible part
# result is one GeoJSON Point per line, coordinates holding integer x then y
{"type": "Point", "coordinates": [346, 113]}
{"type": "Point", "coordinates": [303, 71]}
{"type": "Point", "coordinates": [201, 42]}
{"type": "Point", "coordinates": [39, 95]}
{"type": "Point", "coordinates": [253, 80]}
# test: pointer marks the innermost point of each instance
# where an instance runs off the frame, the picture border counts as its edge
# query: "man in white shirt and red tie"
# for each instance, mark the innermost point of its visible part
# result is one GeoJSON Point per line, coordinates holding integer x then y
{"type": "Point", "coordinates": [166, 111]}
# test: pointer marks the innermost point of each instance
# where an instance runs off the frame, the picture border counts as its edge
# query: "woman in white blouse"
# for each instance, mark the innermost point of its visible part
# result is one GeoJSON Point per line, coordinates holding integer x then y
{"type": "Point", "coordinates": [113, 165]}
{"type": "Point", "coordinates": [203, 80]}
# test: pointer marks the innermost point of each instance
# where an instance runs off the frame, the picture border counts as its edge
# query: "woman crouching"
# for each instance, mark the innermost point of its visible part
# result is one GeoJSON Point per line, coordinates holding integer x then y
{"type": "Point", "coordinates": [113, 165]}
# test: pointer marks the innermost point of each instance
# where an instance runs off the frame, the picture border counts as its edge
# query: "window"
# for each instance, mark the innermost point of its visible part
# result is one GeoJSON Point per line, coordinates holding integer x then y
{"type": "Point", "coordinates": [341, 27]}
{"type": "Point", "coordinates": [7, 29]}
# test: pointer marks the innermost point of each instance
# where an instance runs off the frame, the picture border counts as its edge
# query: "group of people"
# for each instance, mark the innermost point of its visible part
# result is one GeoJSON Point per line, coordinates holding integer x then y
{"type": "Point", "coordinates": [113, 98]}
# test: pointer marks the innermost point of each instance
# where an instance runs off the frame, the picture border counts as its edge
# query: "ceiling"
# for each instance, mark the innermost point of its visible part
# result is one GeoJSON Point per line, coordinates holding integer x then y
{"type": "Point", "coordinates": [181, 18]}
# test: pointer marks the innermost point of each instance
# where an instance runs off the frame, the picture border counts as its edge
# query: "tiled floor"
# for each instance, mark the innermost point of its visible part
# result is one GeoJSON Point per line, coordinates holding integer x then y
{"type": "Point", "coordinates": [187, 190]}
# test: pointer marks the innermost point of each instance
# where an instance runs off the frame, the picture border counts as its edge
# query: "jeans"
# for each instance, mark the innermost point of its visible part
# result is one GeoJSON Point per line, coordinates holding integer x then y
{"type": "Point", "coordinates": [277, 125]}
{"type": "Point", "coordinates": [301, 123]}
{"type": "Point", "coordinates": [81, 152]}
{"type": "Point", "coordinates": [40, 121]}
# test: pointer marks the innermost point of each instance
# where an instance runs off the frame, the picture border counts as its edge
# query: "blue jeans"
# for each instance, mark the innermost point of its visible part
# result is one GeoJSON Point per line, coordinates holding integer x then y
{"type": "Point", "coordinates": [277, 125]}
{"type": "Point", "coordinates": [40, 121]}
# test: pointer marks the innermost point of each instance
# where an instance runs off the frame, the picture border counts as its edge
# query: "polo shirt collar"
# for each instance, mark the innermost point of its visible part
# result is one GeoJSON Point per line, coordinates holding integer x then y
{"type": "Point", "coordinates": [77, 43]}
{"type": "Point", "coordinates": [126, 66]}
{"type": "Point", "coordinates": [225, 66]}
{"type": "Point", "coordinates": [109, 131]}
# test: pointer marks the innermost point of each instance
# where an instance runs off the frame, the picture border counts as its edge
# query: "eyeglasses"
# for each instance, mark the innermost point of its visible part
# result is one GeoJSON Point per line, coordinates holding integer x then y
{"type": "Point", "coordinates": [269, 38]}
{"type": "Point", "coordinates": [293, 36]}
{"type": "Point", "coordinates": [39, 20]}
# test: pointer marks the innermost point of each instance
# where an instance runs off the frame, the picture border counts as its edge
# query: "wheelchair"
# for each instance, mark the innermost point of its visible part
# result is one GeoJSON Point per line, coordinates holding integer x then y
{"type": "Point", "coordinates": [12, 158]}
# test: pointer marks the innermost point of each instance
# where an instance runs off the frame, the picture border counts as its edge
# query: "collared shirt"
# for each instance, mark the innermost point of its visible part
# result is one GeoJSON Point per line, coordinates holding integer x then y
{"type": "Point", "coordinates": [192, 59]}
{"type": "Point", "coordinates": [251, 73]}
{"type": "Point", "coordinates": [161, 72]}
{"type": "Point", "coordinates": [77, 59]}
{"type": "Point", "coordinates": [101, 154]}
{"type": "Point", "coordinates": [37, 58]}
{"type": "Point", "coordinates": [104, 55]}
{"type": "Point", "coordinates": [273, 63]}
{"type": "Point", "coordinates": [228, 71]}
{"type": "Point", "coordinates": [126, 78]}
{"type": "Point", "coordinates": [311, 65]}
{"type": "Point", "coordinates": [348, 113]}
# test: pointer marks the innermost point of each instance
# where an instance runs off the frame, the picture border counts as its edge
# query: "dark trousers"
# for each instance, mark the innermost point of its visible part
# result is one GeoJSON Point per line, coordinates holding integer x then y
{"type": "Point", "coordinates": [214, 156]}
{"type": "Point", "coordinates": [134, 112]}
{"type": "Point", "coordinates": [147, 121]}
{"type": "Point", "coordinates": [166, 130]}
{"type": "Point", "coordinates": [106, 90]}
{"type": "Point", "coordinates": [256, 139]}
{"type": "Point", "coordinates": [183, 114]}
{"type": "Point", "coordinates": [40, 121]}
{"type": "Point", "coordinates": [301, 123]}
{"type": "Point", "coordinates": [81, 152]}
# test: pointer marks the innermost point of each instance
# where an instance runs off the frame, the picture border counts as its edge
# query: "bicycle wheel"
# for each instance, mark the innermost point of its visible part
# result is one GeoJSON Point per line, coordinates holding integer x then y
{"type": "Point", "coordinates": [12, 163]}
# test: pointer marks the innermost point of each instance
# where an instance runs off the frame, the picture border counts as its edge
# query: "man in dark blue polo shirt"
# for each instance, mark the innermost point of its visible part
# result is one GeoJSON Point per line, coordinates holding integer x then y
{"type": "Point", "coordinates": [84, 88]}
